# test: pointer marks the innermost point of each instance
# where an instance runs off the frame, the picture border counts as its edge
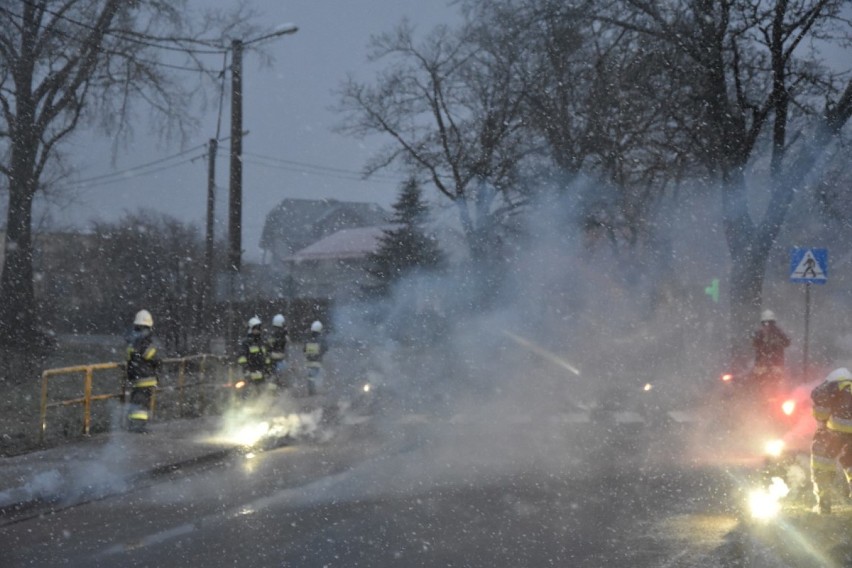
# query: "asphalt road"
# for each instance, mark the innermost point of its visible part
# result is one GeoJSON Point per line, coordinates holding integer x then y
{"type": "Point", "coordinates": [436, 493]}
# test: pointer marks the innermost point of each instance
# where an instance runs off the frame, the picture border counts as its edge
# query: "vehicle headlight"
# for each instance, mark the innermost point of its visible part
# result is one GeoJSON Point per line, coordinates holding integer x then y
{"type": "Point", "coordinates": [774, 448]}
{"type": "Point", "coordinates": [765, 503]}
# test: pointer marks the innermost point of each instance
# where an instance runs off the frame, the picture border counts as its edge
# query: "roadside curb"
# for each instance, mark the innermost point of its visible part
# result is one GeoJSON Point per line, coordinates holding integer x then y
{"type": "Point", "coordinates": [27, 508]}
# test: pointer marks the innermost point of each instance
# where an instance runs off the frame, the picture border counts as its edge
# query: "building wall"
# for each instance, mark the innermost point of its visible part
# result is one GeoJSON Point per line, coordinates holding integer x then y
{"type": "Point", "coordinates": [338, 280]}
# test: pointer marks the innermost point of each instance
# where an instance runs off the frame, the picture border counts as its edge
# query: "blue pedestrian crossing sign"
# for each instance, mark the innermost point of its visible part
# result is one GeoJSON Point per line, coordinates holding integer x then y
{"type": "Point", "coordinates": [809, 265]}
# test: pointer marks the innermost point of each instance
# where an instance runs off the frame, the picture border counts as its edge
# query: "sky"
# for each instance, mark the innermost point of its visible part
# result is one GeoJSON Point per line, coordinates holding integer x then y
{"type": "Point", "coordinates": [290, 151]}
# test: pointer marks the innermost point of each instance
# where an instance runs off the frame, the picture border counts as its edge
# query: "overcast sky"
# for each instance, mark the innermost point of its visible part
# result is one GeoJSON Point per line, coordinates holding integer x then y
{"type": "Point", "coordinates": [287, 113]}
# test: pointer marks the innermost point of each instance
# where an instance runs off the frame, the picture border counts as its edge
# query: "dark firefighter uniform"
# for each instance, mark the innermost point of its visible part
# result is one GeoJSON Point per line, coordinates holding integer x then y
{"type": "Point", "coordinates": [832, 442]}
{"type": "Point", "coordinates": [253, 358]}
{"type": "Point", "coordinates": [143, 363]}
{"type": "Point", "coordinates": [276, 345]}
{"type": "Point", "coordinates": [315, 348]}
{"type": "Point", "coordinates": [769, 342]}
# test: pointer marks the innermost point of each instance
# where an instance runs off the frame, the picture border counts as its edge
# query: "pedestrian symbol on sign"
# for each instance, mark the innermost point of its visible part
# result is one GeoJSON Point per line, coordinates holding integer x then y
{"type": "Point", "coordinates": [809, 266]}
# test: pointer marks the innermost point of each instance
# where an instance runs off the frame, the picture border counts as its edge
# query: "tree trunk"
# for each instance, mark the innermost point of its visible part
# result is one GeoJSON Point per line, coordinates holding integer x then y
{"type": "Point", "coordinates": [17, 310]}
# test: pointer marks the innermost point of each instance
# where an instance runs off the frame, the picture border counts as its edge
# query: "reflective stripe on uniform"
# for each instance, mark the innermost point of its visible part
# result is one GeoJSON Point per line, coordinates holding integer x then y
{"type": "Point", "coordinates": [150, 353]}
{"type": "Point", "coordinates": [242, 360]}
{"type": "Point", "coordinates": [312, 348]}
{"type": "Point", "coordinates": [254, 349]}
{"type": "Point", "coordinates": [276, 355]}
{"type": "Point", "coordinates": [843, 425]}
{"type": "Point", "coordinates": [138, 415]}
{"type": "Point", "coordinates": [256, 375]}
{"type": "Point", "coordinates": [314, 364]}
{"type": "Point", "coordinates": [822, 463]}
{"type": "Point", "coordinates": [821, 413]}
{"type": "Point", "coordinates": [145, 383]}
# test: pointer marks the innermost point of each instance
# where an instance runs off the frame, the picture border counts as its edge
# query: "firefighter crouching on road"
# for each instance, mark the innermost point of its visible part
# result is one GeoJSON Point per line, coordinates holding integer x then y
{"type": "Point", "coordinates": [143, 363]}
{"type": "Point", "coordinates": [769, 342]}
{"type": "Point", "coordinates": [832, 408]}
{"type": "Point", "coordinates": [315, 348]}
{"type": "Point", "coordinates": [277, 347]}
{"type": "Point", "coordinates": [252, 357]}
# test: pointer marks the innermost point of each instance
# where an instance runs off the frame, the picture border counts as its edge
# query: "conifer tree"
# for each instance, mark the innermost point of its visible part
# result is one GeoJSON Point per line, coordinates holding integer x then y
{"type": "Point", "coordinates": [406, 247]}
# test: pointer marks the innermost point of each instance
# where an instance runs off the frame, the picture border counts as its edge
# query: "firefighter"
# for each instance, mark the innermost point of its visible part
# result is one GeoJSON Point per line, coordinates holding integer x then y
{"type": "Point", "coordinates": [769, 342]}
{"type": "Point", "coordinates": [142, 367]}
{"type": "Point", "coordinates": [276, 344]}
{"type": "Point", "coordinates": [832, 441]}
{"type": "Point", "coordinates": [253, 358]}
{"type": "Point", "coordinates": [315, 348]}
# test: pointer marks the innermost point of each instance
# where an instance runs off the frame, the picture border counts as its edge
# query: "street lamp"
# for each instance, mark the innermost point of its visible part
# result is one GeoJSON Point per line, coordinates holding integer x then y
{"type": "Point", "coordinates": [235, 201]}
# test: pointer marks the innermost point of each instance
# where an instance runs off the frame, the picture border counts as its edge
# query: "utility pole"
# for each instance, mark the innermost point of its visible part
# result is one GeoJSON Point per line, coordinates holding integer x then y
{"type": "Point", "coordinates": [235, 197]}
{"type": "Point", "coordinates": [210, 236]}
{"type": "Point", "coordinates": [235, 210]}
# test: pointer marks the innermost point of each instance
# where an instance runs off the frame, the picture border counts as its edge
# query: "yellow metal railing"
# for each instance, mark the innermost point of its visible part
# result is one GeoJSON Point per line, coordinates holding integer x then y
{"type": "Point", "coordinates": [88, 379]}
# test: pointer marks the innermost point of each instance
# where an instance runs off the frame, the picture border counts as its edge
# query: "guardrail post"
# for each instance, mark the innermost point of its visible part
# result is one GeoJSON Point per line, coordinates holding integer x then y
{"type": "Point", "coordinates": [202, 379]}
{"type": "Point", "coordinates": [87, 401]}
{"type": "Point", "coordinates": [43, 410]}
{"type": "Point", "coordinates": [181, 376]}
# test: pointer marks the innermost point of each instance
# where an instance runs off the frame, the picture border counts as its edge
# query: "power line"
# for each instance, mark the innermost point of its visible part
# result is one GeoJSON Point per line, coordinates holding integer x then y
{"type": "Point", "coordinates": [133, 56]}
{"type": "Point", "coordinates": [127, 36]}
{"type": "Point", "coordinates": [285, 164]}
{"type": "Point", "coordinates": [317, 173]}
{"type": "Point", "coordinates": [162, 164]}
{"type": "Point", "coordinates": [131, 173]}
{"type": "Point", "coordinates": [124, 173]}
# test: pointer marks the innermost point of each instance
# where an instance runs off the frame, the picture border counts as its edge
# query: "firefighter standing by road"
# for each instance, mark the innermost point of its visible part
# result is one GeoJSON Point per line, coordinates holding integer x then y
{"type": "Point", "coordinates": [252, 357]}
{"type": "Point", "coordinates": [769, 342]}
{"type": "Point", "coordinates": [276, 344]}
{"type": "Point", "coordinates": [142, 367]}
{"type": "Point", "coordinates": [832, 442]}
{"type": "Point", "coordinates": [315, 348]}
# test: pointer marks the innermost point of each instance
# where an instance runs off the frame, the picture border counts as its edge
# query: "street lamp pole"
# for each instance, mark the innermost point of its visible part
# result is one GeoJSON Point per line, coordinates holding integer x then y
{"type": "Point", "coordinates": [235, 195]}
{"type": "Point", "coordinates": [235, 200]}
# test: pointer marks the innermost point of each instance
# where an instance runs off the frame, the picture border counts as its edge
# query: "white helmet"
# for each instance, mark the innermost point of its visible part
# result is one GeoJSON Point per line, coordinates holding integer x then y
{"type": "Point", "coordinates": [767, 315]}
{"type": "Point", "coordinates": [316, 327]}
{"type": "Point", "coordinates": [254, 322]}
{"type": "Point", "coordinates": [143, 318]}
{"type": "Point", "coordinates": [278, 320]}
{"type": "Point", "coordinates": [841, 374]}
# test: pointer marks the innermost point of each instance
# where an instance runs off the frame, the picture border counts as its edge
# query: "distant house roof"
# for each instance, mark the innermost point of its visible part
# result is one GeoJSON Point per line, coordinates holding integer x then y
{"type": "Point", "coordinates": [344, 244]}
{"type": "Point", "coordinates": [295, 223]}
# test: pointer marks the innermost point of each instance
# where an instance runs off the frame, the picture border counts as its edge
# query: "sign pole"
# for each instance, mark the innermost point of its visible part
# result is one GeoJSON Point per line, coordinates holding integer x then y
{"type": "Point", "coordinates": [808, 266]}
{"type": "Point", "coordinates": [807, 331]}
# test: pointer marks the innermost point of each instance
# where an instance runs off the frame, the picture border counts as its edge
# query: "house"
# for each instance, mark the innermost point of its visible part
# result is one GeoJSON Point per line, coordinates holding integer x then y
{"type": "Point", "coordinates": [296, 223]}
{"type": "Point", "coordinates": [333, 267]}
{"type": "Point", "coordinates": [320, 248]}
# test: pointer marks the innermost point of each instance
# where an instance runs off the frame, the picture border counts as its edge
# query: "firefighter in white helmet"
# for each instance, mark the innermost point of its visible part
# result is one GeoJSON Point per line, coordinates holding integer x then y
{"type": "Point", "coordinates": [315, 348]}
{"type": "Point", "coordinates": [142, 366]}
{"type": "Point", "coordinates": [769, 342]}
{"type": "Point", "coordinates": [276, 344]}
{"type": "Point", "coordinates": [253, 358]}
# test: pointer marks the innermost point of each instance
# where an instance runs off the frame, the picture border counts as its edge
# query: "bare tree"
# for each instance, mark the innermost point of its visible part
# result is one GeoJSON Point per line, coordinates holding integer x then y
{"type": "Point", "coordinates": [63, 64]}
{"type": "Point", "coordinates": [751, 71]}
{"type": "Point", "coordinates": [453, 111]}
{"type": "Point", "coordinates": [587, 103]}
